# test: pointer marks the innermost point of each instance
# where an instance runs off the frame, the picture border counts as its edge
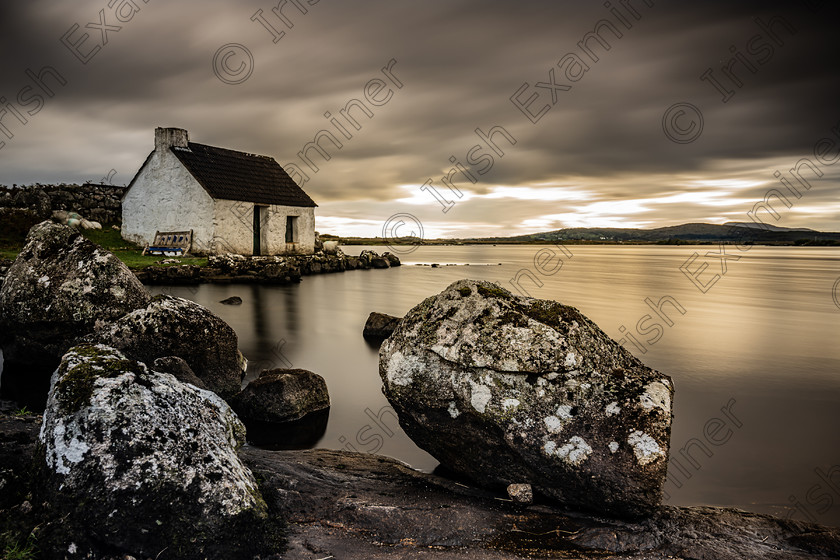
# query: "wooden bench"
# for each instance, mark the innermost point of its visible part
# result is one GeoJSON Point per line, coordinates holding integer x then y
{"type": "Point", "coordinates": [170, 243]}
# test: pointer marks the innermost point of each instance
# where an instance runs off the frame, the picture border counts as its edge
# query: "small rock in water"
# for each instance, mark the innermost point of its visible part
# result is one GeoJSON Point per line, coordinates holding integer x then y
{"type": "Point", "coordinates": [392, 259]}
{"type": "Point", "coordinates": [282, 395]}
{"type": "Point", "coordinates": [232, 300]}
{"type": "Point", "coordinates": [379, 326]}
{"type": "Point", "coordinates": [435, 265]}
{"type": "Point", "coordinates": [284, 398]}
{"type": "Point", "coordinates": [521, 493]}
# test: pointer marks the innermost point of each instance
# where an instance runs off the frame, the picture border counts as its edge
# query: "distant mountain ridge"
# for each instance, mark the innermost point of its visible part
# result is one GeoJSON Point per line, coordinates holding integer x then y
{"type": "Point", "coordinates": [732, 232]}
{"type": "Point", "coordinates": [768, 227]}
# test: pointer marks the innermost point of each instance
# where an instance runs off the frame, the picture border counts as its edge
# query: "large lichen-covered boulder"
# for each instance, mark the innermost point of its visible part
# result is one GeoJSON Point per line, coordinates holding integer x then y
{"type": "Point", "coordinates": [141, 461]}
{"type": "Point", "coordinates": [59, 288]}
{"type": "Point", "coordinates": [506, 389]}
{"type": "Point", "coordinates": [171, 326]}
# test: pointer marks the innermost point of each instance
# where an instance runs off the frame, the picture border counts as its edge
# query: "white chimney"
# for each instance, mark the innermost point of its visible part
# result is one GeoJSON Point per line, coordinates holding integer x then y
{"type": "Point", "coordinates": [166, 138]}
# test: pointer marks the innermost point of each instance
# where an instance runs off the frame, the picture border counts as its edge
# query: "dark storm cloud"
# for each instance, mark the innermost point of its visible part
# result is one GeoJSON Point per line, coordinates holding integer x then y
{"type": "Point", "coordinates": [460, 62]}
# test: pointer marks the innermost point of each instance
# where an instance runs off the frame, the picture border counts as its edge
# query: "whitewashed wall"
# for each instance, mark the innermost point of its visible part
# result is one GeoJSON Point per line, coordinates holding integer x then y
{"type": "Point", "coordinates": [306, 230]}
{"type": "Point", "coordinates": [234, 229]}
{"type": "Point", "coordinates": [166, 197]}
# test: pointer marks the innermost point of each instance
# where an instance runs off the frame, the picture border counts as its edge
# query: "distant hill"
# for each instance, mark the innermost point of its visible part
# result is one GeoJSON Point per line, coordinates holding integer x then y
{"type": "Point", "coordinates": [733, 232]}
{"type": "Point", "coordinates": [768, 227]}
{"type": "Point", "coordinates": [685, 234]}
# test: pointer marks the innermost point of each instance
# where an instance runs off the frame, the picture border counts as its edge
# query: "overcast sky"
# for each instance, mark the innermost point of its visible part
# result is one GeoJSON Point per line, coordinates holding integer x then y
{"type": "Point", "coordinates": [599, 156]}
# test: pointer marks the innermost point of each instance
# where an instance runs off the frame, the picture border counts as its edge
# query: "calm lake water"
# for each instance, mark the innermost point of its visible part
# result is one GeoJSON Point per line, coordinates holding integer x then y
{"type": "Point", "coordinates": [763, 339]}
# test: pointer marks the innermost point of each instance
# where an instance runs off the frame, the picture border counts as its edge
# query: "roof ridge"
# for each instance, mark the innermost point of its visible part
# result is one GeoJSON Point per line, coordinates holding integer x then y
{"type": "Point", "coordinates": [238, 152]}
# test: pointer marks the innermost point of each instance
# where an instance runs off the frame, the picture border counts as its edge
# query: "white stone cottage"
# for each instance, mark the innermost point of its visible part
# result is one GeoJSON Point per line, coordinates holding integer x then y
{"type": "Point", "coordinates": [233, 202]}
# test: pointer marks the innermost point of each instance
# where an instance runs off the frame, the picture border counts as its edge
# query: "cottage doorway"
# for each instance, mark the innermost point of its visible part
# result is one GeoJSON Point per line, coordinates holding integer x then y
{"type": "Point", "coordinates": [259, 218]}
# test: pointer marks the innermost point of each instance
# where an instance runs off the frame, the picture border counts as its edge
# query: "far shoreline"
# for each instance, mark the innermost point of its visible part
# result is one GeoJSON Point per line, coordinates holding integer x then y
{"type": "Point", "coordinates": [449, 243]}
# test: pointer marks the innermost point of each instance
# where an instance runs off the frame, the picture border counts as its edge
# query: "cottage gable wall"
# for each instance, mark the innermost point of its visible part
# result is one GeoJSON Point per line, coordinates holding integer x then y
{"type": "Point", "coordinates": [165, 197]}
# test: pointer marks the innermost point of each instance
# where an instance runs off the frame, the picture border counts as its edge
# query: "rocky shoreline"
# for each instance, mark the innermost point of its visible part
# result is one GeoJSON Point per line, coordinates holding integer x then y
{"type": "Point", "coordinates": [229, 269]}
{"type": "Point", "coordinates": [355, 506]}
{"type": "Point", "coordinates": [553, 440]}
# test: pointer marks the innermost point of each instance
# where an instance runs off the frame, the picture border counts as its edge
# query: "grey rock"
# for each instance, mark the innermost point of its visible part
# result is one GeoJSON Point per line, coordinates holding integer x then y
{"type": "Point", "coordinates": [365, 256]}
{"type": "Point", "coordinates": [380, 326]}
{"type": "Point", "coordinates": [379, 262]}
{"type": "Point", "coordinates": [268, 270]}
{"type": "Point", "coordinates": [330, 247]}
{"type": "Point", "coordinates": [59, 288]}
{"type": "Point", "coordinates": [171, 326]}
{"type": "Point", "coordinates": [232, 300]}
{"type": "Point", "coordinates": [521, 493]}
{"type": "Point", "coordinates": [281, 272]}
{"type": "Point", "coordinates": [505, 389]}
{"type": "Point", "coordinates": [393, 260]}
{"type": "Point", "coordinates": [284, 408]}
{"type": "Point", "coordinates": [179, 369]}
{"type": "Point", "coordinates": [173, 274]}
{"type": "Point", "coordinates": [5, 265]}
{"type": "Point", "coordinates": [282, 395]}
{"type": "Point", "coordinates": [139, 460]}
{"type": "Point", "coordinates": [35, 199]}
{"type": "Point", "coordinates": [372, 259]}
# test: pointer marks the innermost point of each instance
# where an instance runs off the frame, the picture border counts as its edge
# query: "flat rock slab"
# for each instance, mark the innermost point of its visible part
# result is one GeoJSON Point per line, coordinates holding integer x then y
{"type": "Point", "coordinates": [368, 507]}
{"type": "Point", "coordinates": [353, 506]}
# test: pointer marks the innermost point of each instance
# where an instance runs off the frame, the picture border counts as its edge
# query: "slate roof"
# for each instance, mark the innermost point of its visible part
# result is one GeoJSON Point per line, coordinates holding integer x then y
{"type": "Point", "coordinates": [232, 175]}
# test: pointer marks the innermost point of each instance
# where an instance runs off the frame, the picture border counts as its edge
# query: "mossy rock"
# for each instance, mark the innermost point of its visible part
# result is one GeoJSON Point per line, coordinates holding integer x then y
{"type": "Point", "coordinates": [505, 389]}
{"type": "Point", "coordinates": [135, 461]}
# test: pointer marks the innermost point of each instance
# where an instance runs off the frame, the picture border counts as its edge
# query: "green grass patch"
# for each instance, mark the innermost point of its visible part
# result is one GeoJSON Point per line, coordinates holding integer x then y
{"type": "Point", "coordinates": [110, 239]}
{"type": "Point", "coordinates": [128, 252]}
{"type": "Point", "coordinates": [15, 546]}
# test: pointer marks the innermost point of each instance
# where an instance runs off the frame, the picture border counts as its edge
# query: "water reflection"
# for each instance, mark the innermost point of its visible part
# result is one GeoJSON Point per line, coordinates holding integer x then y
{"type": "Point", "coordinates": [765, 335]}
{"type": "Point", "coordinates": [304, 433]}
